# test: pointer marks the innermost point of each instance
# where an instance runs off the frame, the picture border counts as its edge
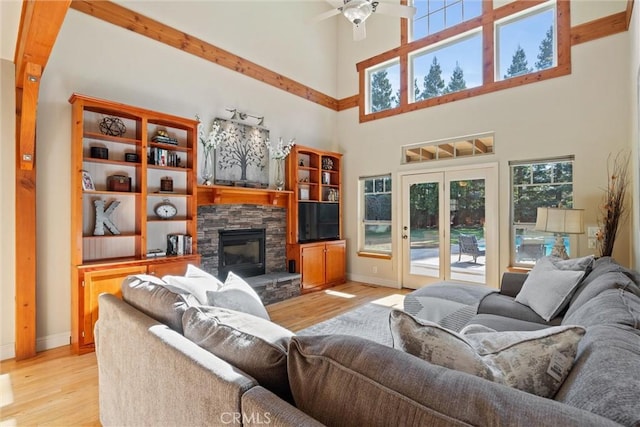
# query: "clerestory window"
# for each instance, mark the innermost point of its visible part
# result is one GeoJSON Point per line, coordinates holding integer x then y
{"type": "Point", "coordinates": [456, 49]}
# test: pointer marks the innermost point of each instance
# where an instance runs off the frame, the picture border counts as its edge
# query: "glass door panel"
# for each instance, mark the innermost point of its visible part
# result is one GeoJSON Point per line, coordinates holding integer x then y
{"type": "Point", "coordinates": [424, 229]}
{"type": "Point", "coordinates": [467, 229]}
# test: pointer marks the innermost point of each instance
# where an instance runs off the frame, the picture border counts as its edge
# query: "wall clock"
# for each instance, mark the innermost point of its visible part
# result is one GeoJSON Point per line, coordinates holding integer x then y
{"type": "Point", "coordinates": [166, 209]}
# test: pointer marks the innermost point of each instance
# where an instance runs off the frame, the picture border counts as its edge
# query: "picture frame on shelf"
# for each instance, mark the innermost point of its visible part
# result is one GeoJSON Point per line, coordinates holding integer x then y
{"type": "Point", "coordinates": [87, 181]}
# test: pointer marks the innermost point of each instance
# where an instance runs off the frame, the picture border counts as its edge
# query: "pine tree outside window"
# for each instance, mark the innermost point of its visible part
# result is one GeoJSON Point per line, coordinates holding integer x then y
{"type": "Point", "coordinates": [384, 87]}
{"type": "Point", "coordinates": [447, 68]}
{"type": "Point", "coordinates": [526, 43]}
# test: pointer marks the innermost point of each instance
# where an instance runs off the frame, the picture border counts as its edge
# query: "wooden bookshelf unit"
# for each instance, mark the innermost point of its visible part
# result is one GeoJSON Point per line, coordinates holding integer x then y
{"type": "Point", "coordinates": [130, 143]}
{"type": "Point", "coordinates": [314, 177]}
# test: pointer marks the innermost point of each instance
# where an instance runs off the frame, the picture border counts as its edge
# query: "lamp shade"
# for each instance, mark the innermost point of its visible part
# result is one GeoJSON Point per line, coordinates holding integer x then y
{"type": "Point", "coordinates": [559, 220]}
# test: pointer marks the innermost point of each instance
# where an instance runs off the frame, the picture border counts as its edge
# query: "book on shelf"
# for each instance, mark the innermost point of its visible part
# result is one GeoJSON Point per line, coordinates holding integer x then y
{"type": "Point", "coordinates": [164, 140]}
{"type": "Point", "coordinates": [153, 253]}
{"type": "Point", "coordinates": [163, 157]}
{"type": "Point", "coordinates": [179, 244]}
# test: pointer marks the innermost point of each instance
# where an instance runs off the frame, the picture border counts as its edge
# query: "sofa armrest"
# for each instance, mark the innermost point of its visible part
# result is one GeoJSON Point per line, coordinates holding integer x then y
{"type": "Point", "coordinates": [512, 283]}
{"type": "Point", "coordinates": [260, 407]}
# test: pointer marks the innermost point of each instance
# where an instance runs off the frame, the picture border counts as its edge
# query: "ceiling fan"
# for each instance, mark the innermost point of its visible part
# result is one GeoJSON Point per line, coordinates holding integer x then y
{"type": "Point", "coordinates": [357, 12]}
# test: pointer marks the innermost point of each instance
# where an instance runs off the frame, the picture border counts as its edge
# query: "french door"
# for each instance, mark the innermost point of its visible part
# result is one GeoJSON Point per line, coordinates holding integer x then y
{"type": "Point", "coordinates": [450, 226]}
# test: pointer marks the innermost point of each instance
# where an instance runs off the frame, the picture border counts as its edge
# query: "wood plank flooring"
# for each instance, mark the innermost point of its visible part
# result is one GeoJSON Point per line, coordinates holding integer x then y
{"type": "Point", "coordinates": [58, 388]}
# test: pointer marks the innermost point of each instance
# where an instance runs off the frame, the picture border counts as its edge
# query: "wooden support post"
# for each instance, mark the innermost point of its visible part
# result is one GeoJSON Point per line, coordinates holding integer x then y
{"type": "Point", "coordinates": [26, 111]}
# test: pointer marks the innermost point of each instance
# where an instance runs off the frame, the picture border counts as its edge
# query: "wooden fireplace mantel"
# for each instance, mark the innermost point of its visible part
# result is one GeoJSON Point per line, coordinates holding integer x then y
{"type": "Point", "coordinates": [227, 195]}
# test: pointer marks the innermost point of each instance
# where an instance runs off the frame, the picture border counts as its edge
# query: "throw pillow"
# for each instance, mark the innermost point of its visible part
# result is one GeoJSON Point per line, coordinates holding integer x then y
{"type": "Point", "coordinates": [533, 361]}
{"type": "Point", "coordinates": [551, 283]}
{"type": "Point", "coordinates": [157, 299]}
{"type": "Point", "coordinates": [254, 345]}
{"type": "Point", "coordinates": [238, 295]}
{"type": "Point", "coordinates": [196, 281]}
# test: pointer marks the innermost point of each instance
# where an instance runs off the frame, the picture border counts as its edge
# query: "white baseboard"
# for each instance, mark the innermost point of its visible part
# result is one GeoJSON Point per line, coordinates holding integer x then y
{"type": "Point", "coordinates": [7, 351]}
{"type": "Point", "coordinates": [373, 280]}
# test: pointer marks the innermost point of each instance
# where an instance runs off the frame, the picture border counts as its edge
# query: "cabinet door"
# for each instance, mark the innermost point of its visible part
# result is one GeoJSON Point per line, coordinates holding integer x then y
{"type": "Point", "coordinates": [176, 268]}
{"type": "Point", "coordinates": [100, 281]}
{"type": "Point", "coordinates": [312, 265]}
{"type": "Point", "coordinates": [335, 262]}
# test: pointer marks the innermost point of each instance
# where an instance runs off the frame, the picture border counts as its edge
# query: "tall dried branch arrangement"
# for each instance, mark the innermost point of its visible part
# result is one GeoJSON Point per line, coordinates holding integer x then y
{"type": "Point", "coordinates": [613, 209]}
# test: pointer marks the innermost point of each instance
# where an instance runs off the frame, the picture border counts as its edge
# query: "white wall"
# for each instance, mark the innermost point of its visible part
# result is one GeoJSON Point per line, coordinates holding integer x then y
{"type": "Point", "coordinates": [585, 114]}
{"type": "Point", "coordinates": [7, 213]}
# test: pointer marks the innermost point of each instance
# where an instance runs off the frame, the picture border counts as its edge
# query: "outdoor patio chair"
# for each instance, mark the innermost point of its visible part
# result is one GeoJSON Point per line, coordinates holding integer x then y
{"type": "Point", "coordinates": [468, 245]}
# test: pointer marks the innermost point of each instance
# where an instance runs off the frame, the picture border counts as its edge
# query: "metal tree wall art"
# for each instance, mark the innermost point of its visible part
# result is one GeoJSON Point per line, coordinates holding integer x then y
{"type": "Point", "coordinates": [241, 156]}
{"type": "Point", "coordinates": [613, 210]}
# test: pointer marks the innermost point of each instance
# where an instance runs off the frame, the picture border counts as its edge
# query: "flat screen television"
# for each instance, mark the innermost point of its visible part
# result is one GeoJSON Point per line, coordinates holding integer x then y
{"type": "Point", "coordinates": [318, 221]}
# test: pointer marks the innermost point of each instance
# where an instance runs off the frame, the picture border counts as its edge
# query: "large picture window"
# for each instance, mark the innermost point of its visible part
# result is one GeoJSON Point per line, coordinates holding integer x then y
{"type": "Point", "coordinates": [447, 68]}
{"type": "Point", "coordinates": [375, 208]}
{"type": "Point", "coordinates": [534, 184]}
{"type": "Point", "coordinates": [384, 87]}
{"type": "Point", "coordinates": [526, 43]}
{"type": "Point", "coordinates": [456, 49]}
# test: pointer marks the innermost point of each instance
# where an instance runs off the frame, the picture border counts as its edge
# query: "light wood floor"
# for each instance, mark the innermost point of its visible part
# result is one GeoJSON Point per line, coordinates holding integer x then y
{"type": "Point", "coordinates": [58, 388]}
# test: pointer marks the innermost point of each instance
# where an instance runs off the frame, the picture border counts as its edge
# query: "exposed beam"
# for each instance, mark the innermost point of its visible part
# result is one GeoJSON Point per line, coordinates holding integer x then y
{"type": "Point", "coordinates": [598, 28]}
{"type": "Point", "coordinates": [40, 24]}
{"type": "Point", "coordinates": [478, 144]}
{"type": "Point", "coordinates": [132, 21]}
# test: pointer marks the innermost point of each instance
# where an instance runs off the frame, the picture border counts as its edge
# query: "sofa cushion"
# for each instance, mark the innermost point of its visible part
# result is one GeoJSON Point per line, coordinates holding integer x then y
{"type": "Point", "coordinates": [606, 375]}
{"type": "Point", "coordinates": [609, 279]}
{"type": "Point", "coordinates": [346, 380]}
{"type": "Point", "coordinates": [551, 283]}
{"type": "Point", "coordinates": [252, 344]}
{"type": "Point", "coordinates": [502, 323]}
{"type": "Point", "coordinates": [196, 281]}
{"type": "Point", "coordinates": [610, 307]}
{"type": "Point", "coordinates": [157, 299]}
{"type": "Point", "coordinates": [236, 294]}
{"type": "Point", "coordinates": [503, 305]}
{"type": "Point", "coordinates": [533, 361]}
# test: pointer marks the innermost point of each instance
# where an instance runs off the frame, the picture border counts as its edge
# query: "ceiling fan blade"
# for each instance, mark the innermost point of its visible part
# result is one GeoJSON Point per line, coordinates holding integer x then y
{"type": "Point", "coordinates": [359, 32]}
{"type": "Point", "coordinates": [336, 3]}
{"type": "Point", "coordinates": [395, 9]}
{"type": "Point", "coordinates": [325, 15]}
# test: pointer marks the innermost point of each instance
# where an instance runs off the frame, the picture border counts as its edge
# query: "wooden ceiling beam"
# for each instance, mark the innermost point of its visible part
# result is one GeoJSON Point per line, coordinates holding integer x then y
{"type": "Point", "coordinates": [133, 21]}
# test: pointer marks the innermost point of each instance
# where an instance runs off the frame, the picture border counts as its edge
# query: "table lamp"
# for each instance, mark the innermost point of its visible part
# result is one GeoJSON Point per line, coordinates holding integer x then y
{"type": "Point", "coordinates": [560, 221]}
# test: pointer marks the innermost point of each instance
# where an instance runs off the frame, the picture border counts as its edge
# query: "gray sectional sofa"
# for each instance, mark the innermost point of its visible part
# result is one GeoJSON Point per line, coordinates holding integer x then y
{"type": "Point", "coordinates": [164, 360]}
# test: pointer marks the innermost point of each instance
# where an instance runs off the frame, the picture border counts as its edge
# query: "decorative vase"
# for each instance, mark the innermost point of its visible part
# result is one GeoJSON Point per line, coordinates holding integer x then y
{"type": "Point", "coordinates": [279, 174]}
{"type": "Point", "coordinates": [207, 168]}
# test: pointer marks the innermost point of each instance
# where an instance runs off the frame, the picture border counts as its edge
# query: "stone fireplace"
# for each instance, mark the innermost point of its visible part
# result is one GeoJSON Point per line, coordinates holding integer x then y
{"type": "Point", "coordinates": [214, 218]}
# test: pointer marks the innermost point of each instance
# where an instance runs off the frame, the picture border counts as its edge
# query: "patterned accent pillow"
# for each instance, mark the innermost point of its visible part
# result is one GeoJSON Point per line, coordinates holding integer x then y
{"type": "Point", "coordinates": [196, 281]}
{"type": "Point", "coordinates": [238, 295]}
{"type": "Point", "coordinates": [533, 361]}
